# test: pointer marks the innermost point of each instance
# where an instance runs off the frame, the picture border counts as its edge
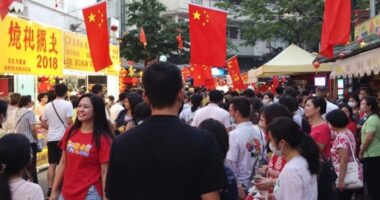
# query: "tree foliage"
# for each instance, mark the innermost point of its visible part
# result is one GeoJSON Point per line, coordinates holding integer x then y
{"type": "Point", "coordinates": [294, 21]}
{"type": "Point", "coordinates": [160, 31]}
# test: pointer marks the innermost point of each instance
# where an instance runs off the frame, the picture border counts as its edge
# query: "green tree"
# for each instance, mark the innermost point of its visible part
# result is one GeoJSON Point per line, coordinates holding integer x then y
{"type": "Point", "coordinates": [160, 31]}
{"type": "Point", "coordinates": [294, 21]}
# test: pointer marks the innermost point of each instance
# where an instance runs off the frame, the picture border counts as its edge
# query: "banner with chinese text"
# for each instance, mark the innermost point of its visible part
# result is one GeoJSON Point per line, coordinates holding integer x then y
{"type": "Point", "coordinates": [77, 54]}
{"type": "Point", "coordinates": [30, 48]}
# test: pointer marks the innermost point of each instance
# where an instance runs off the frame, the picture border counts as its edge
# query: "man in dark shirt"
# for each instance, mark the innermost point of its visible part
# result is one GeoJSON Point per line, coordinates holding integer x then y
{"type": "Point", "coordinates": [163, 158]}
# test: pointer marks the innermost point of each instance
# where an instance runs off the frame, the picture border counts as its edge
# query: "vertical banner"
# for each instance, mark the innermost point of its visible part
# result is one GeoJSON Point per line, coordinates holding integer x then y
{"type": "Point", "coordinates": [234, 71]}
{"type": "Point", "coordinates": [30, 48]}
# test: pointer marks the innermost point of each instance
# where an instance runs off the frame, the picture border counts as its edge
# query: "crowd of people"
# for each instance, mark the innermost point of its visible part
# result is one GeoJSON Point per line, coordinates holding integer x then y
{"type": "Point", "coordinates": [170, 143]}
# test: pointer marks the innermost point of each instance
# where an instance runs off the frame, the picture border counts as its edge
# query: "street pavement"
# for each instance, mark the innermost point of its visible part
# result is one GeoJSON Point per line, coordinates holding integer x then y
{"type": "Point", "coordinates": [42, 179]}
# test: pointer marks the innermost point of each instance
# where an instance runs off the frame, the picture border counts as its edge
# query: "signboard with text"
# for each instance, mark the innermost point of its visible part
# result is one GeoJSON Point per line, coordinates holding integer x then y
{"type": "Point", "coordinates": [30, 48]}
{"type": "Point", "coordinates": [368, 27]}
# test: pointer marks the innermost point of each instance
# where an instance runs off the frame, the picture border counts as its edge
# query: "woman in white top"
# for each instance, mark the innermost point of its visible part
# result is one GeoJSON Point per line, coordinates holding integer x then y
{"type": "Point", "coordinates": [298, 179]}
{"type": "Point", "coordinates": [15, 156]}
{"type": "Point", "coordinates": [187, 115]}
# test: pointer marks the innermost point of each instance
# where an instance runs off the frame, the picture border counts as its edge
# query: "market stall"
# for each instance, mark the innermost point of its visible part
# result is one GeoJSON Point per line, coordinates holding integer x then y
{"type": "Point", "coordinates": [291, 61]}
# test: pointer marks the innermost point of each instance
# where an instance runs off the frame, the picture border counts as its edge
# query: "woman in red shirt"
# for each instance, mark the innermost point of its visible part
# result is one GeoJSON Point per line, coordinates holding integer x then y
{"type": "Point", "coordinates": [86, 149]}
{"type": "Point", "coordinates": [320, 131]}
{"type": "Point", "coordinates": [349, 113]}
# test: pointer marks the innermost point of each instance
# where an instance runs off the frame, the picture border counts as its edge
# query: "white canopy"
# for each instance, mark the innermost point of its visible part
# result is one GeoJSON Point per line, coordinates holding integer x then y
{"type": "Point", "coordinates": [292, 60]}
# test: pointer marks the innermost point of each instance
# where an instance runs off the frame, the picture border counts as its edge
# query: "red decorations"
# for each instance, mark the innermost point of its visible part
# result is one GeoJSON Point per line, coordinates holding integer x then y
{"type": "Point", "coordinates": [114, 28]}
{"type": "Point", "coordinates": [316, 65]}
{"type": "Point", "coordinates": [4, 5]}
{"type": "Point", "coordinates": [143, 37]}
{"type": "Point", "coordinates": [234, 71]}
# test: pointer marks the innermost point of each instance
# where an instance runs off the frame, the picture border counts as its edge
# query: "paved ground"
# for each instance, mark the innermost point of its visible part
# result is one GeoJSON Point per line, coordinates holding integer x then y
{"type": "Point", "coordinates": [42, 179]}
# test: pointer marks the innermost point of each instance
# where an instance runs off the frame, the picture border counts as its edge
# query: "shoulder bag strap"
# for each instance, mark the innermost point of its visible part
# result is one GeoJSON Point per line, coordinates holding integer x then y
{"type": "Point", "coordinates": [52, 103]}
{"type": "Point", "coordinates": [20, 119]}
{"type": "Point", "coordinates": [351, 148]}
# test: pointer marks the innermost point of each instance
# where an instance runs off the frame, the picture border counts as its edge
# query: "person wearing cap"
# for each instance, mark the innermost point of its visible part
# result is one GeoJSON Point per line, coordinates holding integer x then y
{"type": "Point", "coordinates": [323, 92]}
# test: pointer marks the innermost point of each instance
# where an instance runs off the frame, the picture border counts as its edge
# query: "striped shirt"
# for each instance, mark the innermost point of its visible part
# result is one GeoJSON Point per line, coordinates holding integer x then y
{"type": "Point", "coordinates": [23, 121]}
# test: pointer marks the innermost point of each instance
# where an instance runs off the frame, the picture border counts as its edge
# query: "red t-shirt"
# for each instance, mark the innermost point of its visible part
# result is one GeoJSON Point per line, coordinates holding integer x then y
{"type": "Point", "coordinates": [83, 164]}
{"type": "Point", "coordinates": [322, 135]}
{"type": "Point", "coordinates": [352, 127]}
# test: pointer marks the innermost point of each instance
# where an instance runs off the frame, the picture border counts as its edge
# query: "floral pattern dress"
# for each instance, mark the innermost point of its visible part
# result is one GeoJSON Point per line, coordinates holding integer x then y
{"type": "Point", "coordinates": [344, 140]}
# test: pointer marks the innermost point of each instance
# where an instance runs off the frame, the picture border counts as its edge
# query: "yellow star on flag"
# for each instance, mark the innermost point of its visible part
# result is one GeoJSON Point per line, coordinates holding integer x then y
{"type": "Point", "coordinates": [91, 17]}
{"type": "Point", "coordinates": [131, 71]}
{"type": "Point", "coordinates": [197, 15]}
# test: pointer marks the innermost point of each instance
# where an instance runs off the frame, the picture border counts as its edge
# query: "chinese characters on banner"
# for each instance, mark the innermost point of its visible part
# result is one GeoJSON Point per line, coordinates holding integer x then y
{"type": "Point", "coordinates": [234, 71]}
{"type": "Point", "coordinates": [30, 48]}
{"type": "Point", "coordinates": [77, 54]}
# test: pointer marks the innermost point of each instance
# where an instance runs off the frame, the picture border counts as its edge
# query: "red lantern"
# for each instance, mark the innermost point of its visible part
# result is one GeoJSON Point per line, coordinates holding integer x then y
{"type": "Point", "coordinates": [342, 55]}
{"type": "Point", "coordinates": [114, 28]}
{"type": "Point", "coordinates": [316, 65]}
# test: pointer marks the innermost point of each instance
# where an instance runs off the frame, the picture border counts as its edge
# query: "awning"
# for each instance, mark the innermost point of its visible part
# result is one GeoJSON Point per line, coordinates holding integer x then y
{"type": "Point", "coordinates": [359, 65]}
{"type": "Point", "coordinates": [293, 60]}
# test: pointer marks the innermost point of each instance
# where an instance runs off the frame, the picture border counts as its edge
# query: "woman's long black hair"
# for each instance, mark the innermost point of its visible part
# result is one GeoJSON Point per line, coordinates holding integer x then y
{"type": "Point", "coordinates": [15, 155]}
{"type": "Point", "coordinates": [284, 128]}
{"type": "Point", "coordinates": [101, 124]}
{"type": "Point", "coordinates": [196, 101]}
{"type": "Point", "coordinates": [134, 99]}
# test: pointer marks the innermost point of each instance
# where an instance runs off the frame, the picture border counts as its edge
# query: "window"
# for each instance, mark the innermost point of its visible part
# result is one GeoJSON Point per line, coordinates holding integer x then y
{"type": "Point", "coordinates": [233, 32]}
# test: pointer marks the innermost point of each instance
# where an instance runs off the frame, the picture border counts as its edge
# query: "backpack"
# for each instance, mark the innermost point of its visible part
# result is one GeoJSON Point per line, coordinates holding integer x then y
{"type": "Point", "coordinates": [326, 181]}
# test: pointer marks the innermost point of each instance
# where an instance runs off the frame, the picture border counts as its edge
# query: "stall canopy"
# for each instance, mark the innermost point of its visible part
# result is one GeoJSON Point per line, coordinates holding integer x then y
{"type": "Point", "coordinates": [293, 60]}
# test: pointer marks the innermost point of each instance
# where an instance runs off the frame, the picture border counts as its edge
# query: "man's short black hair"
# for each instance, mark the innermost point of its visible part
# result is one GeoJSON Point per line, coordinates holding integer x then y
{"type": "Point", "coordinates": [162, 82]}
{"type": "Point", "coordinates": [122, 96]}
{"type": "Point", "coordinates": [249, 93]}
{"type": "Point", "coordinates": [279, 90]}
{"type": "Point", "coordinates": [289, 102]}
{"type": "Point", "coordinates": [241, 104]}
{"type": "Point", "coordinates": [60, 90]}
{"type": "Point", "coordinates": [96, 88]}
{"type": "Point", "coordinates": [216, 96]}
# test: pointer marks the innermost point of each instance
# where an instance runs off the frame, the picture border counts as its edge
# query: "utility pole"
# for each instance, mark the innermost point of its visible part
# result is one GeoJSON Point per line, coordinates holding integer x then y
{"type": "Point", "coordinates": [372, 8]}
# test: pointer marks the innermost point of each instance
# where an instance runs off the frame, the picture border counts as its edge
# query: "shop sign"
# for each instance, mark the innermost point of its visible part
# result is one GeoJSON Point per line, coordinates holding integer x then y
{"type": "Point", "coordinates": [77, 54]}
{"type": "Point", "coordinates": [30, 48]}
{"type": "Point", "coordinates": [115, 57]}
{"type": "Point", "coordinates": [368, 27]}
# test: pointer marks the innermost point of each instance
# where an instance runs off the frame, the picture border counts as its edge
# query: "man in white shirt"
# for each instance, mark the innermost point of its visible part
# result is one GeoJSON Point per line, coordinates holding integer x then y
{"type": "Point", "coordinates": [117, 107]}
{"type": "Point", "coordinates": [323, 92]}
{"type": "Point", "coordinates": [212, 110]}
{"type": "Point", "coordinates": [56, 119]}
{"type": "Point", "coordinates": [246, 144]}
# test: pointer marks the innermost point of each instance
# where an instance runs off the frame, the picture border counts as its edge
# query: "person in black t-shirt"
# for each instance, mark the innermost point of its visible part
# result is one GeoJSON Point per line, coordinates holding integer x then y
{"type": "Point", "coordinates": [163, 158]}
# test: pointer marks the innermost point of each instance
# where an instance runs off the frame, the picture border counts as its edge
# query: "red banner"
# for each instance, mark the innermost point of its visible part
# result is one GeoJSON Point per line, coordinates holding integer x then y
{"type": "Point", "coordinates": [203, 76]}
{"type": "Point", "coordinates": [234, 71]}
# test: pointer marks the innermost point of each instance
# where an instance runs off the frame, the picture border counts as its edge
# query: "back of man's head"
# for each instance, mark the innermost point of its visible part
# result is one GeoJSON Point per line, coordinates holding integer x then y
{"type": "Point", "coordinates": [289, 102]}
{"type": "Point", "coordinates": [291, 91]}
{"type": "Point", "coordinates": [249, 93]}
{"type": "Point", "coordinates": [162, 82]}
{"type": "Point", "coordinates": [279, 90]}
{"type": "Point", "coordinates": [96, 89]}
{"type": "Point", "coordinates": [60, 90]}
{"type": "Point", "coordinates": [216, 96]}
{"type": "Point", "coordinates": [14, 99]}
{"type": "Point", "coordinates": [322, 91]}
{"type": "Point", "coordinates": [122, 96]}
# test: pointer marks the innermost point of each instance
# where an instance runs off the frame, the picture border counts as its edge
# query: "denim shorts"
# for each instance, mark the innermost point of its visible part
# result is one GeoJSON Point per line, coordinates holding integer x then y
{"type": "Point", "coordinates": [92, 194]}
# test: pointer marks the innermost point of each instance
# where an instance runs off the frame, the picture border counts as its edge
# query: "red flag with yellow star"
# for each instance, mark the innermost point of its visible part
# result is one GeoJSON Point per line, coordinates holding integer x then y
{"type": "Point", "coordinates": [203, 76]}
{"type": "Point", "coordinates": [234, 71]}
{"type": "Point", "coordinates": [208, 44]}
{"type": "Point", "coordinates": [95, 18]}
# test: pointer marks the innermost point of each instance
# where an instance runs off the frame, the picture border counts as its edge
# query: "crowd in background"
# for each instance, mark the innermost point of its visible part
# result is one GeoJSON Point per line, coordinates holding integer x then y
{"type": "Point", "coordinates": [289, 145]}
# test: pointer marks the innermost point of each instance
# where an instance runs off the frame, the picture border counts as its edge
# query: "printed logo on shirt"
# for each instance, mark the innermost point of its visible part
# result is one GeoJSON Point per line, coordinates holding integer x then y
{"type": "Point", "coordinates": [78, 148]}
{"type": "Point", "coordinates": [254, 147]}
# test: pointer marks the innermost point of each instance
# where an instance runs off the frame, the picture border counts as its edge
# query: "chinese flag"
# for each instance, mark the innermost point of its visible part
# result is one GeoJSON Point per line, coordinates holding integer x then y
{"type": "Point", "coordinates": [234, 71]}
{"type": "Point", "coordinates": [142, 37]}
{"type": "Point", "coordinates": [95, 18]}
{"type": "Point", "coordinates": [203, 76]}
{"type": "Point", "coordinates": [336, 25]}
{"type": "Point", "coordinates": [185, 73]}
{"type": "Point", "coordinates": [4, 6]}
{"type": "Point", "coordinates": [179, 40]}
{"type": "Point", "coordinates": [207, 35]}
